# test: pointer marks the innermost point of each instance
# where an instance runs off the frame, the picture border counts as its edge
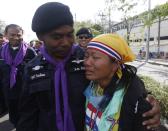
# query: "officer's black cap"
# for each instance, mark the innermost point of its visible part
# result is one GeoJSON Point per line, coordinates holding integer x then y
{"type": "Point", "coordinates": [50, 16]}
{"type": "Point", "coordinates": [83, 31]}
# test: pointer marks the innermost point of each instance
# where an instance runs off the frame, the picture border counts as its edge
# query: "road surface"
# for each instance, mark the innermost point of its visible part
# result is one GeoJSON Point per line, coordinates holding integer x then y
{"type": "Point", "coordinates": [157, 72]}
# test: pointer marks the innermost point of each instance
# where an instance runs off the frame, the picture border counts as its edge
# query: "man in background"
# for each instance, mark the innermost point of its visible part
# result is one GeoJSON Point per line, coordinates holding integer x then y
{"type": "Point", "coordinates": [84, 35]}
{"type": "Point", "coordinates": [2, 40]}
{"type": "Point", "coordinates": [13, 57]}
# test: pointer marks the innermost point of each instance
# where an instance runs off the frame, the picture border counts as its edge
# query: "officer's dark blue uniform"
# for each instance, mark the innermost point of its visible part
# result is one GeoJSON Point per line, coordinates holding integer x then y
{"type": "Point", "coordinates": [12, 94]}
{"type": "Point", "coordinates": [39, 94]}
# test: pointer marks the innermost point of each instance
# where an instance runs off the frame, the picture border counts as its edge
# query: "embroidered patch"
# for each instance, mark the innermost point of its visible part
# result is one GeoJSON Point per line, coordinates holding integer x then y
{"type": "Point", "coordinates": [79, 68]}
{"type": "Point", "coordinates": [40, 75]}
{"type": "Point", "coordinates": [77, 61]}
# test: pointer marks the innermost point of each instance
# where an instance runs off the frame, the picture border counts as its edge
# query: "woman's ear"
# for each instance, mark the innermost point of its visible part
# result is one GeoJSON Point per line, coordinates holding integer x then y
{"type": "Point", "coordinates": [116, 65]}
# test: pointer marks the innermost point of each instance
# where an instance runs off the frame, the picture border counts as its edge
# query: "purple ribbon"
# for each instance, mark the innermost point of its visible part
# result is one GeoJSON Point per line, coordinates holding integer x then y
{"type": "Point", "coordinates": [65, 122]}
{"type": "Point", "coordinates": [13, 63]}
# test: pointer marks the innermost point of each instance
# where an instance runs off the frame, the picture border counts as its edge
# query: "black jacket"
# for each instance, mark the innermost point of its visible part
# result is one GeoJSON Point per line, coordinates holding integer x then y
{"type": "Point", "coordinates": [13, 93]}
{"type": "Point", "coordinates": [38, 99]}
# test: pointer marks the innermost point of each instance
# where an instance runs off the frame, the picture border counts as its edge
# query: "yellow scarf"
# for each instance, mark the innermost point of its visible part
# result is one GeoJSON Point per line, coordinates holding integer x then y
{"type": "Point", "coordinates": [115, 47]}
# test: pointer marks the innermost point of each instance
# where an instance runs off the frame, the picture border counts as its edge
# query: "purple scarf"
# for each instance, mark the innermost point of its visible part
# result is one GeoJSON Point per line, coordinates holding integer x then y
{"type": "Point", "coordinates": [13, 63]}
{"type": "Point", "coordinates": [65, 122]}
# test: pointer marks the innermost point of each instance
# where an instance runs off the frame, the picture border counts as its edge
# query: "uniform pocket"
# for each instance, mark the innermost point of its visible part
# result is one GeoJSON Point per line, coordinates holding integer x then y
{"type": "Point", "coordinates": [43, 93]}
{"type": "Point", "coordinates": [40, 86]}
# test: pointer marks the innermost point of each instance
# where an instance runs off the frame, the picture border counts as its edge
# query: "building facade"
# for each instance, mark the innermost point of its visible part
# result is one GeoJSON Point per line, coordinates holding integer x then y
{"type": "Point", "coordinates": [138, 36]}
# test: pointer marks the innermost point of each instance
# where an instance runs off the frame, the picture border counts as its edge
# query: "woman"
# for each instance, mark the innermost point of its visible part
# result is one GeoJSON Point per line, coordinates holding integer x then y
{"type": "Point", "coordinates": [115, 96]}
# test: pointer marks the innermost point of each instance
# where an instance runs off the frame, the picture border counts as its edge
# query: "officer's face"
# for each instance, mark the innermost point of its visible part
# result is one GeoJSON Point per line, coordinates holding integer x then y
{"type": "Point", "coordinates": [14, 35]}
{"type": "Point", "coordinates": [83, 40]}
{"type": "Point", "coordinates": [59, 41]}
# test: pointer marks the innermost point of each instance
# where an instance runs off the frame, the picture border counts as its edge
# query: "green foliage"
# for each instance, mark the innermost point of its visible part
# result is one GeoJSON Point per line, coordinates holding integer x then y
{"type": "Point", "coordinates": [97, 27]}
{"type": "Point", "coordinates": [159, 11]}
{"type": "Point", "coordinates": [159, 91]}
{"type": "Point", "coordinates": [126, 7]}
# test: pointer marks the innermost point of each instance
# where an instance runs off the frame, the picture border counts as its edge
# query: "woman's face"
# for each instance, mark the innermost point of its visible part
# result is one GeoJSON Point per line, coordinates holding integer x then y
{"type": "Point", "coordinates": [98, 65]}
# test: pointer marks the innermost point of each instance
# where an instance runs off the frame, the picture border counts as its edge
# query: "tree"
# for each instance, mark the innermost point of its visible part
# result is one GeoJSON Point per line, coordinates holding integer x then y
{"type": "Point", "coordinates": [159, 12]}
{"type": "Point", "coordinates": [126, 8]}
{"type": "Point", "coordinates": [2, 26]}
{"type": "Point", "coordinates": [81, 24]}
{"type": "Point", "coordinates": [97, 29]}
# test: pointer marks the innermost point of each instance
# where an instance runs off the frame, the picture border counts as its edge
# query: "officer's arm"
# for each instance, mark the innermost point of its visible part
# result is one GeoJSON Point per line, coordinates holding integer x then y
{"type": "Point", "coordinates": [28, 110]}
{"type": "Point", "coordinates": [154, 122]}
{"type": "Point", "coordinates": [151, 116]}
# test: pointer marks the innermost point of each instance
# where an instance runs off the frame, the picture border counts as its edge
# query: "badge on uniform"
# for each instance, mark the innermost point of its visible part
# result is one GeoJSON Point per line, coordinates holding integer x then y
{"type": "Point", "coordinates": [77, 61]}
{"type": "Point", "coordinates": [37, 68]}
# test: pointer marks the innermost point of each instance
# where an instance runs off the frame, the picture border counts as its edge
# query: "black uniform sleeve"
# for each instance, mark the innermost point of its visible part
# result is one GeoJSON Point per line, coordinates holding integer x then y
{"type": "Point", "coordinates": [3, 103]}
{"type": "Point", "coordinates": [28, 109]}
{"type": "Point", "coordinates": [30, 54]}
{"type": "Point", "coordinates": [0, 52]}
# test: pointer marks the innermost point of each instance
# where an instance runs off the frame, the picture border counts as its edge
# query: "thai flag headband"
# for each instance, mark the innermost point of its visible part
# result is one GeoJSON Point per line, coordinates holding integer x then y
{"type": "Point", "coordinates": [105, 49]}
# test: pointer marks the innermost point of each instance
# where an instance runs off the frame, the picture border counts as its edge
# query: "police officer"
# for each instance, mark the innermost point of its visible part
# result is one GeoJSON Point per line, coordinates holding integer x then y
{"type": "Point", "coordinates": [54, 81]}
{"type": "Point", "coordinates": [52, 98]}
{"type": "Point", "coordinates": [2, 39]}
{"type": "Point", "coordinates": [3, 106]}
{"type": "Point", "coordinates": [84, 35]}
{"type": "Point", "coordinates": [14, 55]}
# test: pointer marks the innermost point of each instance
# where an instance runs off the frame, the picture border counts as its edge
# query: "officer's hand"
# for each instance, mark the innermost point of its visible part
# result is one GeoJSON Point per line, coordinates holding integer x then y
{"type": "Point", "coordinates": [154, 113]}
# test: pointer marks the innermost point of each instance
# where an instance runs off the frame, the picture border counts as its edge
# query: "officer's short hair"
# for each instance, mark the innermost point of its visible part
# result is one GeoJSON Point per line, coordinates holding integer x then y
{"type": "Point", "coordinates": [13, 26]}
